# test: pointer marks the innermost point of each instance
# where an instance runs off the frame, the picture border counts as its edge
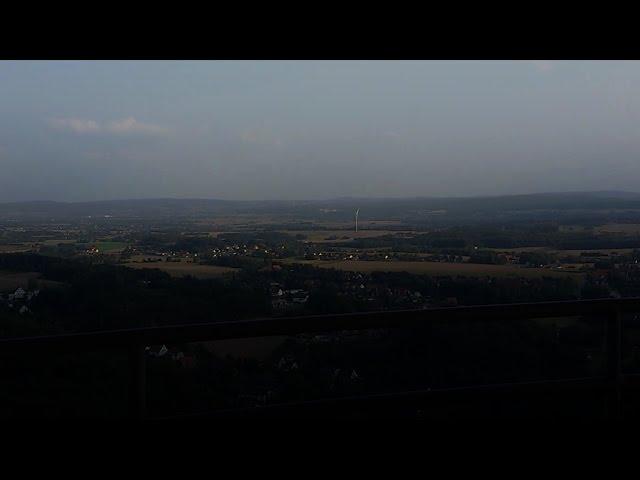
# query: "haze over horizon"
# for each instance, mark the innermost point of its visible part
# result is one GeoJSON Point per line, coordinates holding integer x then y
{"type": "Point", "coordinates": [603, 193]}
{"type": "Point", "coordinates": [305, 130]}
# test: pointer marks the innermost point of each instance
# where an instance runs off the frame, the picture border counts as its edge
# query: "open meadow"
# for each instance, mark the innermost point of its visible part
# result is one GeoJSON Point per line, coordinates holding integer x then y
{"type": "Point", "coordinates": [52, 242]}
{"type": "Point", "coordinates": [569, 253]}
{"type": "Point", "coordinates": [339, 236]}
{"type": "Point", "coordinates": [107, 246]}
{"type": "Point", "coordinates": [15, 248]}
{"type": "Point", "coordinates": [437, 268]}
{"type": "Point", "coordinates": [626, 228]}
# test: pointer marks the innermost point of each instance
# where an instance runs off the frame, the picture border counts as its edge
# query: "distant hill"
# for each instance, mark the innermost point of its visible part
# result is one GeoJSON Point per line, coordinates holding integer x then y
{"type": "Point", "coordinates": [371, 208]}
{"type": "Point", "coordinates": [116, 208]}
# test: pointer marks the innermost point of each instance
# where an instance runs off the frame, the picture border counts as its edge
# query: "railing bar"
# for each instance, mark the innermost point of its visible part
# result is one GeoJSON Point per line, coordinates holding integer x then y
{"type": "Point", "coordinates": [614, 358]}
{"type": "Point", "coordinates": [359, 321]}
{"type": "Point", "coordinates": [138, 382]}
{"type": "Point", "coordinates": [313, 324]}
{"type": "Point", "coordinates": [599, 383]}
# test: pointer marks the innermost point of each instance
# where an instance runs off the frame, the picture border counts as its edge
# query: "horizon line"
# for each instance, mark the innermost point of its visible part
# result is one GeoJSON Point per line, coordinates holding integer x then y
{"type": "Point", "coordinates": [329, 199]}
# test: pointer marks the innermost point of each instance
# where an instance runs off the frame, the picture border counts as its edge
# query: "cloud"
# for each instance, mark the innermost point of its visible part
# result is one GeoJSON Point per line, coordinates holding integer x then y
{"type": "Point", "coordinates": [125, 126]}
{"type": "Point", "coordinates": [543, 65]}
{"type": "Point", "coordinates": [391, 134]}
{"type": "Point", "coordinates": [131, 125]}
{"type": "Point", "coordinates": [260, 137]}
{"type": "Point", "coordinates": [75, 125]}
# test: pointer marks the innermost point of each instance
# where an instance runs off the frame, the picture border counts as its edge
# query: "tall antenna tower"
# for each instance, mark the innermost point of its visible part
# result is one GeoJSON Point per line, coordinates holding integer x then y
{"type": "Point", "coordinates": [357, 211]}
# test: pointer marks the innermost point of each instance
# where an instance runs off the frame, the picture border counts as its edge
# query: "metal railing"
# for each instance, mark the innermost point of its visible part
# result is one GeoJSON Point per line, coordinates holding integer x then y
{"type": "Point", "coordinates": [135, 340]}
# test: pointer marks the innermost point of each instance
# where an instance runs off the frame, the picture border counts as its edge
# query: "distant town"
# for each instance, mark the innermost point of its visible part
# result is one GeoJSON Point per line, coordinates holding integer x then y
{"type": "Point", "coordinates": [78, 268]}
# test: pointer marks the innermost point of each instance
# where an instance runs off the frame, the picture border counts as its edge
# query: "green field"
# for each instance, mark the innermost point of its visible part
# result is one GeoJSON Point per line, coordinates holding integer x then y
{"type": "Point", "coordinates": [607, 251]}
{"type": "Point", "coordinates": [15, 248]}
{"type": "Point", "coordinates": [437, 268]}
{"type": "Point", "coordinates": [625, 228]}
{"type": "Point", "coordinates": [58, 241]}
{"type": "Point", "coordinates": [110, 247]}
{"type": "Point", "coordinates": [323, 236]}
{"type": "Point", "coordinates": [572, 253]}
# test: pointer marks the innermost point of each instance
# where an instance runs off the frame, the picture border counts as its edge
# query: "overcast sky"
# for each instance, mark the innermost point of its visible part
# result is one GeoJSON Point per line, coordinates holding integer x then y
{"type": "Point", "coordinates": [294, 130]}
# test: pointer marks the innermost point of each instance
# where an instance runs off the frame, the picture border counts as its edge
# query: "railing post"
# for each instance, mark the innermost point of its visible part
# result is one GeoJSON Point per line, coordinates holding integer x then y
{"type": "Point", "coordinates": [614, 368]}
{"type": "Point", "coordinates": [138, 382]}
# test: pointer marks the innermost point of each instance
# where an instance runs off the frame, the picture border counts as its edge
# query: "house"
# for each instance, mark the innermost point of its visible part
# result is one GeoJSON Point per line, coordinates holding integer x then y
{"type": "Point", "coordinates": [298, 295]}
{"type": "Point", "coordinates": [279, 304]}
{"type": "Point", "coordinates": [287, 363]}
{"type": "Point", "coordinates": [276, 289]}
{"type": "Point", "coordinates": [156, 350]}
{"type": "Point", "coordinates": [186, 361]}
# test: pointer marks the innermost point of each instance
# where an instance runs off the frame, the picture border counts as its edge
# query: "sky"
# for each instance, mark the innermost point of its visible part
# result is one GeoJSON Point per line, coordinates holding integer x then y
{"type": "Point", "coordinates": [292, 130]}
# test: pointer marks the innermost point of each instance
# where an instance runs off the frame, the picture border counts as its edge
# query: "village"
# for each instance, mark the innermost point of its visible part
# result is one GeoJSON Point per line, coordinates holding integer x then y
{"type": "Point", "coordinates": [19, 300]}
{"type": "Point", "coordinates": [196, 275]}
{"type": "Point", "coordinates": [365, 265]}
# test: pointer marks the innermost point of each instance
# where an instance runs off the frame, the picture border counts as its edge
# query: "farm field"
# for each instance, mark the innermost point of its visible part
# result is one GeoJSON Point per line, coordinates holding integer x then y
{"type": "Point", "coordinates": [573, 253]}
{"type": "Point", "coordinates": [362, 224]}
{"type": "Point", "coordinates": [143, 257]}
{"type": "Point", "coordinates": [437, 268]}
{"type": "Point", "coordinates": [243, 220]}
{"type": "Point", "coordinates": [628, 228]}
{"type": "Point", "coordinates": [576, 266]}
{"type": "Point", "coordinates": [14, 248]}
{"type": "Point", "coordinates": [110, 247]}
{"type": "Point", "coordinates": [576, 253]}
{"type": "Point", "coordinates": [180, 269]}
{"type": "Point", "coordinates": [521, 249]}
{"type": "Point", "coordinates": [57, 241]}
{"type": "Point", "coordinates": [571, 228]}
{"type": "Point", "coordinates": [322, 236]}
